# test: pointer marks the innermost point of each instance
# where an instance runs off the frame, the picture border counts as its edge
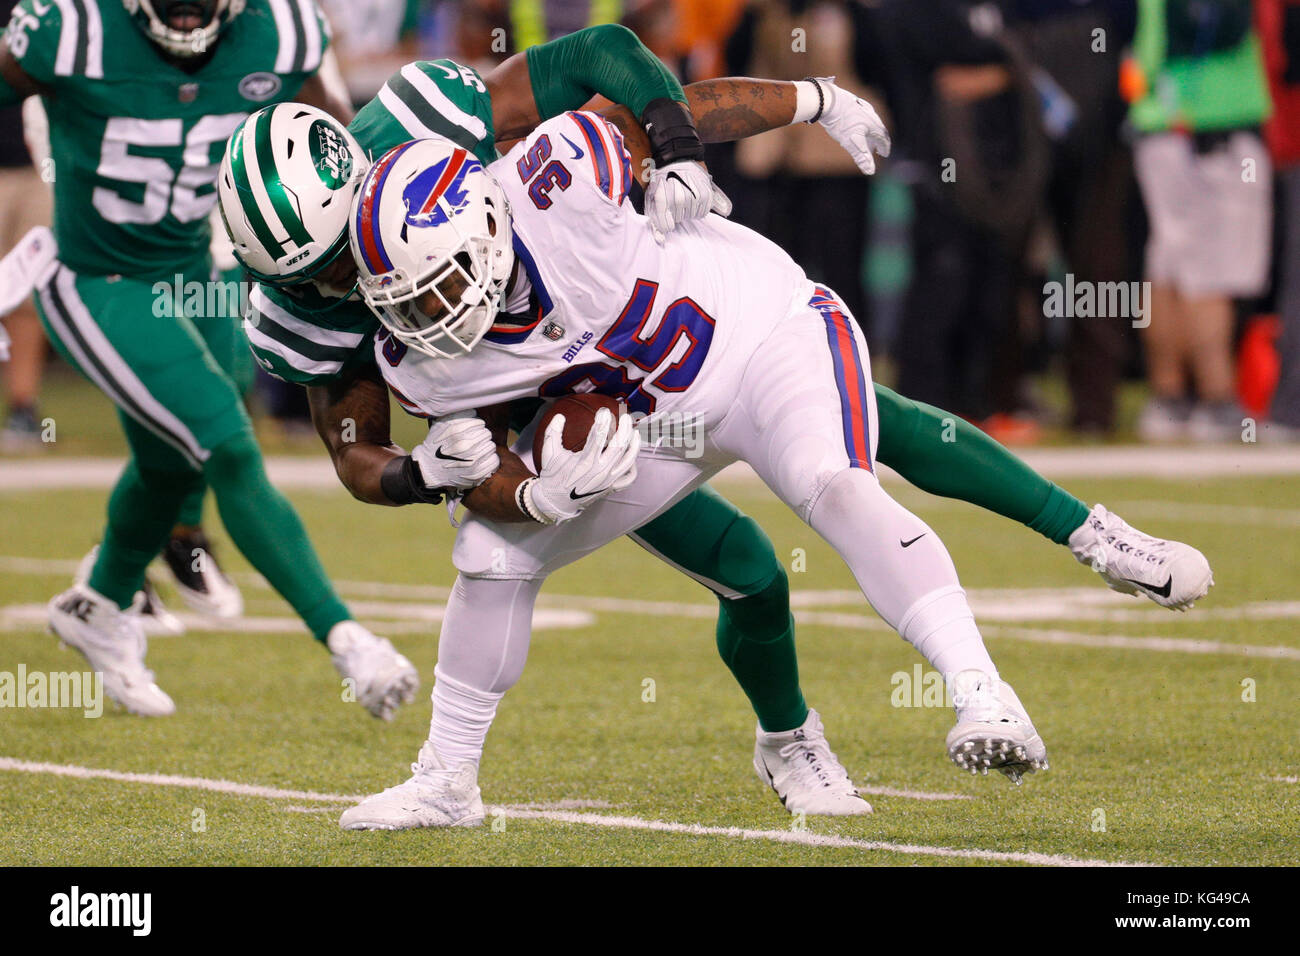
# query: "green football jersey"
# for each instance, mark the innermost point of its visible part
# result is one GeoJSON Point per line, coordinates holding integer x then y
{"type": "Point", "coordinates": [136, 141]}
{"type": "Point", "coordinates": [302, 336]}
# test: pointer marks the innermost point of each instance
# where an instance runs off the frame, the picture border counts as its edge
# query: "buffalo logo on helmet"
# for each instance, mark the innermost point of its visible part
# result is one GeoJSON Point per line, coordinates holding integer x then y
{"type": "Point", "coordinates": [437, 193]}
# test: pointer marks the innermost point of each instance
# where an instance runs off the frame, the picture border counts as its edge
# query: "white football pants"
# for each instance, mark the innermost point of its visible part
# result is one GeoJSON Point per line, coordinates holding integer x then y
{"type": "Point", "coordinates": [804, 417]}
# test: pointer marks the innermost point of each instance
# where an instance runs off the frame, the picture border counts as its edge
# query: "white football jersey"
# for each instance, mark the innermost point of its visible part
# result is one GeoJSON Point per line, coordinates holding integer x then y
{"type": "Point", "coordinates": [605, 308]}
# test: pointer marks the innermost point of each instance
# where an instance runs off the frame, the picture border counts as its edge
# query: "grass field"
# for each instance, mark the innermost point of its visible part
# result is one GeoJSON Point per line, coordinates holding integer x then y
{"type": "Point", "coordinates": [1156, 756]}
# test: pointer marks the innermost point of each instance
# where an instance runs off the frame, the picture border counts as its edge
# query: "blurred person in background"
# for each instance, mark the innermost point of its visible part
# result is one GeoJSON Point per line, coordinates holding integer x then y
{"type": "Point", "coordinates": [25, 202]}
{"type": "Point", "coordinates": [374, 39]}
{"type": "Point", "coordinates": [1199, 96]}
{"type": "Point", "coordinates": [1075, 47]}
{"type": "Point", "coordinates": [529, 22]}
{"type": "Point", "coordinates": [969, 120]}
{"type": "Point", "coordinates": [1279, 27]}
{"type": "Point", "coordinates": [804, 192]}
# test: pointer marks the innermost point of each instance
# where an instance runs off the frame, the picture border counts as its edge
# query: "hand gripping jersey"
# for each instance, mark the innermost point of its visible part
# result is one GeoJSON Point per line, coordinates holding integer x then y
{"type": "Point", "coordinates": [304, 337]}
{"type": "Point", "coordinates": [135, 139]}
{"type": "Point", "coordinates": [603, 307]}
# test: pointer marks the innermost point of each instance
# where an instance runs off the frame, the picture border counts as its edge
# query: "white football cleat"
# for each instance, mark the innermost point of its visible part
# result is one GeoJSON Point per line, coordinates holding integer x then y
{"type": "Point", "coordinates": [383, 678]}
{"type": "Point", "coordinates": [154, 616]}
{"type": "Point", "coordinates": [1173, 574]}
{"type": "Point", "coordinates": [202, 585]}
{"type": "Point", "coordinates": [114, 643]}
{"type": "Point", "coordinates": [799, 766]}
{"type": "Point", "coordinates": [433, 797]}
{"type": "Point", "coordinates": [993, 731]}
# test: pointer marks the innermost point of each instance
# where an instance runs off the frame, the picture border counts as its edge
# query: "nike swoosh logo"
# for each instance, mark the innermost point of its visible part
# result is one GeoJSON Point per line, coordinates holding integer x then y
{"type": "Point", "coordinates": [908, 544]}
{"type": "Point", "coordinates": [577, 497]}
{"type": "Point", "coordinates": [682, 181]}
{"type": "Point", "coordinates": [1163, 590]}
{"type": "Point", "coordinates": [577, 153]}
{"type": "Point", "coordinates": [437, 453]}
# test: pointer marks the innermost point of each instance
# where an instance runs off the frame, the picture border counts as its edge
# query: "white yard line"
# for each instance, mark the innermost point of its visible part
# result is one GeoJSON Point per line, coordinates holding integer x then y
{"type": "Point", "coordinates": [911, 794]}
{"type": "Point", "coordinates": [559, 813]}
{"type": "Point", "coordinates": [1142, 461]}
{"type": "Point", "coordinates": [172, 780]}
{"type": "Point", "coordinates": [805, 838]}
{"type": "Point", "coordinates": [377, 615]}
{"type": "Point", "coordinates": [1213, 513]}
{"type": "Point", "coordinates": [415, 608]}
{"type": "Point", "coordinates": [1171, 645]}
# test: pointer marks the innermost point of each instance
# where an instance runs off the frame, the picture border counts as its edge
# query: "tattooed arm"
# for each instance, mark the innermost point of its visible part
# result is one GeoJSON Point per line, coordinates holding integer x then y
{"type": "Point", "coordinates": [733, 107]}
{"type": "Point", "coordinates": [724, 110]}
{"type": "Point", "coordinates": [352, 417]}
{"type": "Point", "coordinates": [495, 498]}
{"type": "Point", "coordinates": [736, 107]}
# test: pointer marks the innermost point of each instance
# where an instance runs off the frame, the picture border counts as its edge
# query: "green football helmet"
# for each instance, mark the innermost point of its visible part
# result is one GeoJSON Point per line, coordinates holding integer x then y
{"type": "Point", "coordinates": [285, 187]}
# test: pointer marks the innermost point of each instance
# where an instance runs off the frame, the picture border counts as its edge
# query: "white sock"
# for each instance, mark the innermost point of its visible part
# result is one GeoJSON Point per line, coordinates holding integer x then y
{"type": "Point", "coordinates": [942, 627]}
{"type": "Point", "coordinates": [461, 719]}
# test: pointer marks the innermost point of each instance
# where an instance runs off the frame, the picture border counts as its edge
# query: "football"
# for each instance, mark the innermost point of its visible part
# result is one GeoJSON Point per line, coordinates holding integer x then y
{"type": "Point", "coordinates": [579, 413]}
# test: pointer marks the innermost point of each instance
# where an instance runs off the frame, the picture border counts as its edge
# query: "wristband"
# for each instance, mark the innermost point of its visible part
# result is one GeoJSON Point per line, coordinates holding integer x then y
{"type": "Point", "coordinates": [671, 130]}
{"type": "Point", "coordinates": [402, 483]}
{"type": "Point", "coordinates": [821, 99]}
{"type": "Point", "coordinates": [808, 101]}
{"type": "Point", "coordinates": [524, 502]}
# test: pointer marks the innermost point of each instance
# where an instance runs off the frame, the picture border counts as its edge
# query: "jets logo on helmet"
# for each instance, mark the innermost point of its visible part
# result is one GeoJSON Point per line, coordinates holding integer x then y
{"type": "Point", "coordinates": [432, 240]}
{"type": "Point", "coordinates": [330, 154]}
{"type": "Point", "coordinates": [285, 189]}
{"type": "Point", "coordinates": [166, 22]}
{"type": "Point", "coordinates": [444, 181]}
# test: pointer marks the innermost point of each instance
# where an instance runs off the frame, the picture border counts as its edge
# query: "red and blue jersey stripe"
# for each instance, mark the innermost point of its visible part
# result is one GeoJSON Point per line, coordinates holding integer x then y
{"type": "Point", "coordinates": [850, 377]}
{"type": "Point", "coordinates": [609, 160]}
{"type": "Point", "coordinates": [539, 301]}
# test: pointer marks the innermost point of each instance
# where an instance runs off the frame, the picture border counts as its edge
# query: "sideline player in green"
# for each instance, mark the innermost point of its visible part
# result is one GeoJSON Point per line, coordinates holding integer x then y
{"type": "Point", "coordinates": [306, 325]}
{"type": "Point", "coordinates": [141, 95]}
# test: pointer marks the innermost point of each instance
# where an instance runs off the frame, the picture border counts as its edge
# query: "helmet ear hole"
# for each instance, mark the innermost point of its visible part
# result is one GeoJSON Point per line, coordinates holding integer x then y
{"type": "Point", "coordinates": [491, 225]}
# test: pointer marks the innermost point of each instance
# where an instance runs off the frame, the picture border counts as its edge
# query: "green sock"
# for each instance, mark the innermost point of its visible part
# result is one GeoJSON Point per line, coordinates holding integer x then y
{"type": "Point", "coordinates": [947, 456]}
{"type": "Point", "coordinates": [269, 533]}
{"type": "Point", "coordinates": [756, 641]}
{"type": "Point", "coordinates": [141, 512]}
{"type": "Point", "coordinates": [708, 536]}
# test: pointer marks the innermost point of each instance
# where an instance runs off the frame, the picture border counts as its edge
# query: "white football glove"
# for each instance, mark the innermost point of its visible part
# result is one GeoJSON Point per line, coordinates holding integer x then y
{"type": "Point", "coordinates": [853, 123]}
{"type": "Point", "coordinates": [680, 192]}
{"type": "Point", "coordinates": [27, 266]}
{"type": "Point", "coordinates": [457, 453]}
{"type": "Point", "coordinates": [572, 480]}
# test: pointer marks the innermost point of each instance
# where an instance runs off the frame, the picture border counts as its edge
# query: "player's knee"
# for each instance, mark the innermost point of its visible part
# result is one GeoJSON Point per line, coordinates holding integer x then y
{"type": "Point", "coordinates": [171, 484]}
{"type": "Point", "coordinates": [481, 551]}
{"type": "Point", "coordinates": [746, 559]}
{"type": "Point", "coordinates": [233, 458]}
{"type": "Point", "coordinates": [845, 498]}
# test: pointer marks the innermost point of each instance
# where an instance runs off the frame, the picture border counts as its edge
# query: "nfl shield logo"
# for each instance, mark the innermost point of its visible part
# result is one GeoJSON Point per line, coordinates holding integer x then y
{"type": "Point", "coordinates": [188, 92]}
{"type": "Point", "coordinates": [553, 332]}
